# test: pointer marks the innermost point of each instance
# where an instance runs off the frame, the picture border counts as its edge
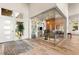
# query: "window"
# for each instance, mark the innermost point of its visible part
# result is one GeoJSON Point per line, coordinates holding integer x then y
{"type": "Point", "coordinates": [6, 12]}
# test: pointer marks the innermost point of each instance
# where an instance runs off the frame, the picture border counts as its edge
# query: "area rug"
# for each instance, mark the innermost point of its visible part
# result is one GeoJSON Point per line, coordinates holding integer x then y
{"type": "Point", "coordinates": [16, 47]}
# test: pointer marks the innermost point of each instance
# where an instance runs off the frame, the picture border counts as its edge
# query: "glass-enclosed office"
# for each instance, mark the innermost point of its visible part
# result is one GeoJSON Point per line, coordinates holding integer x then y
{"type": "Point", "coordinates": [48, 25]}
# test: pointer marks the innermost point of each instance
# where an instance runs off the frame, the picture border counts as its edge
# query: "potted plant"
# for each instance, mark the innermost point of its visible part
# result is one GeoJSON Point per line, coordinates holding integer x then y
{"type": "Point", "coordinates": [20, 29]}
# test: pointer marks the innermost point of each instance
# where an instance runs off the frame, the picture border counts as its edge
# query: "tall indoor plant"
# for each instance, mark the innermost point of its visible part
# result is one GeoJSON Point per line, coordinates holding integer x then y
{"type": "Point", "coordinates": [20, 29]}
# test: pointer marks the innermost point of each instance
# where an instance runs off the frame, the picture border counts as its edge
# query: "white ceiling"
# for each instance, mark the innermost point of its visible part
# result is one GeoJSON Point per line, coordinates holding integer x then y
{"type": "Point", "coordinates": [37, 8]}
{"type": "Point", "coordinates": [73, 8]}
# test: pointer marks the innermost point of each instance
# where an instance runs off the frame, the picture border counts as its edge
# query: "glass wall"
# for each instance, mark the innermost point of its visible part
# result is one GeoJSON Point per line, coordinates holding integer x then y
{"type": "Point", "coordinates": [59, 27]}
{"type": "Point", "coordinates": [48, 25]}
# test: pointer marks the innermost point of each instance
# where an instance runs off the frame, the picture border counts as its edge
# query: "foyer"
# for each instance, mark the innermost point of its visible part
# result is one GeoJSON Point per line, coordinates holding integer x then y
{"type": "Point", "coordinates": [23, 29]}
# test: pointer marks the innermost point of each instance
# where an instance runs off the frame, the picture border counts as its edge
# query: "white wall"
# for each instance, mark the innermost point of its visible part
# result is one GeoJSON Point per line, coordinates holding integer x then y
{"type": "Point", "coordinates": [74, 15]}
{"type": "Point", "coordinates": [21, 8]}
{"type": "Point", "coordinates": [36, 8]}
{"type": "Point", "coordinates": [73, 19]}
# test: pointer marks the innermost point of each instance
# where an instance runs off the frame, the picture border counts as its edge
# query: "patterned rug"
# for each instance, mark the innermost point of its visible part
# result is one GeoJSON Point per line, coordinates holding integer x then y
{"type": "Point", "coordinates": [16, 47]}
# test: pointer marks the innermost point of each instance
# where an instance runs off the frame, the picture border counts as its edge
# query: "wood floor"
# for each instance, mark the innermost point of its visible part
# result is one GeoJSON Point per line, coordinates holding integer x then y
{"type": "Point", "coordinates": [67, 47]}
{"type": "Point", "coordinates": [40, 47]}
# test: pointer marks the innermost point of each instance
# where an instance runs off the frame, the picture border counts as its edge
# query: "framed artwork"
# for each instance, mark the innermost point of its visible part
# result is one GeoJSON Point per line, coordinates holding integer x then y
{"type": "Point", "coordinates": [75, 26]}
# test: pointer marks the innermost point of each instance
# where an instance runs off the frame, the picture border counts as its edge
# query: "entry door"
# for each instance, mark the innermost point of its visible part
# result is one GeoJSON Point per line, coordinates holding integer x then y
{"type": "Point", "coordinates": [7, 29]}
